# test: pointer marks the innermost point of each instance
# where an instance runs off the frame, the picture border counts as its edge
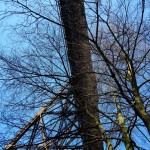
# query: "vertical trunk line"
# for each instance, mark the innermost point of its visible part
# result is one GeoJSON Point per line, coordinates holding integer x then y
{"type": "Point", "coordinates": [83, 79]}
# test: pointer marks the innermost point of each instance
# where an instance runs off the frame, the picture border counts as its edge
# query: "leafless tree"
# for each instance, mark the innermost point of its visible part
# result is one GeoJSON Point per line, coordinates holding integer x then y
{"type": "Point", "coordinates": [98, 53]}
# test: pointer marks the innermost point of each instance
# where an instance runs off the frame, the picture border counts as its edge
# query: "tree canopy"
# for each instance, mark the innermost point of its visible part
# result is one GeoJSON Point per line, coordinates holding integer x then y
{"type": "Point", "coordinates": [98, 53]}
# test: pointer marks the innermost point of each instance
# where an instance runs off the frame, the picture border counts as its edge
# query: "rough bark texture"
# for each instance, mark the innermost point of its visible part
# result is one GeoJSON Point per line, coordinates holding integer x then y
{"type": "Point", "coordinates": [83, 80]}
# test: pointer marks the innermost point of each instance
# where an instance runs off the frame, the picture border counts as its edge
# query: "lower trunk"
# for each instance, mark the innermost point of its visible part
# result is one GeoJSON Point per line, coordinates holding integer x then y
{"type": "Point", "coordinates": [141, 110]}
{"type": "Point", "coordinates": [83, 79]}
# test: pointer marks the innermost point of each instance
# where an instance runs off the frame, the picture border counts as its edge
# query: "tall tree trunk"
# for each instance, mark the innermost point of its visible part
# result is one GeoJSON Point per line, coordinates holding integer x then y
{"type": "Point", "coordinates": [83, 79]}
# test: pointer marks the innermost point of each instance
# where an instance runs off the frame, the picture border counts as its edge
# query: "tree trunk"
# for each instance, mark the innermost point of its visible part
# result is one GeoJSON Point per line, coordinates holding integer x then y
{"type": "Point", "coordinates": [83, 79]}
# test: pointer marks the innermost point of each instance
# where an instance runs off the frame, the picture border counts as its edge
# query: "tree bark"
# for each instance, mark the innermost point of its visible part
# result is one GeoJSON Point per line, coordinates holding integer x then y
{"type": "Point", "coordinates": [83, 79]}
